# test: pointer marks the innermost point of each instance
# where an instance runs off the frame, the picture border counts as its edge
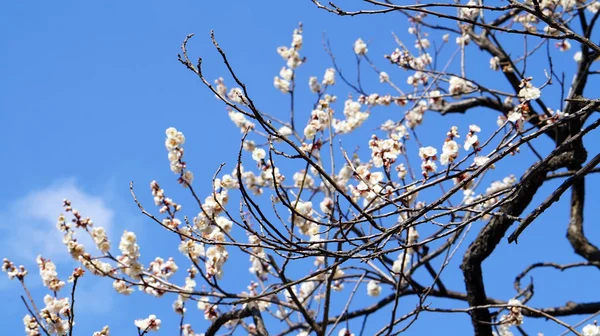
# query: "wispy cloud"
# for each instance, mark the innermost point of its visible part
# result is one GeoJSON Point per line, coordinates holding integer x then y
{"type": "Point", "coordinates": [28, 228]}
{"type": "Point", "coordinates": [29, 223]}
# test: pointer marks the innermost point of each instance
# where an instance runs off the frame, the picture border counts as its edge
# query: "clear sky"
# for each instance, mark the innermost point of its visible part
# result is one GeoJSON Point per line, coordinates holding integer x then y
{"type": "Point", "coordinates": [87, 89]}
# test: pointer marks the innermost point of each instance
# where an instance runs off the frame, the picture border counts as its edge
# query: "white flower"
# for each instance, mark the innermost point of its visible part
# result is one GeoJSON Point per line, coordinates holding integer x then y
{"type": "Point", "coordinates": [530, 93]}
{"type": "Point", "coordinates": [427, 152]}
{"type": "Point", "coordinates": [470, 141]}
{"type": "Point", "coordinates": [313, 84]}
{"type": "Point", "coordinates": [593, 8]}
{"type": "Point", "coordinates": [310, 131]}
{"type": "Point", "coordinates": [564, 45]}
{"type": "Point", "coordinates": [459, 86]}
{"type": "Point", "coordinates": [149, 324]}
{"type": "Point", "coordinates": [258, 154]}
{"type": "Point", "coordinates": [101, 239]}
{"type": "Point", "coordinates": [577, 57]}
{"type": "Point", "coordinates": [285, 131]}
{"type": "Point", "coordinates": [286, 73]}
{"type": "Point", "coordinates": [470, 13]}
{"type": "Point", "coordinates": [384, 77]}
{"type": "Point", "coordinates": [104, 332]}
{"type": "Point", "coordinates": [428, 166]}
{"type": "Point", "coordinates": [345, 332]}
{"type": "Point", "coordinates": [591, 330]}
{"type": "Point", "coordinates": [474, 128]}
{"type": "Point", "coordinates": [282, 85]}
{"type": "Point", "coordinates": [121, 287]}
{"type": "Point", "coordinates": [481, 160]}
{"type": "Point", "coordinates": [360, 47]}
{"type": "Point", "coordinates": [494, 63]}
{"type": "Point", "coordinates": [422, 43]}
{"type": "Point", "coordinates": [373, 288]}
{"type": "Point", "coordinates": [449, 152]}
{"type": "Point", "coordinates": [329, 77]}
{"type": "Point", "coordinates": [463, 40]}
{"type": "Point", "coordinates": [515, 116]}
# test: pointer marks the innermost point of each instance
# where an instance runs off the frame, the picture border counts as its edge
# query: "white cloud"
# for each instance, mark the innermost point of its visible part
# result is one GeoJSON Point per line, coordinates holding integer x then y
{"type": "Point", "coordinates": [29, 223]}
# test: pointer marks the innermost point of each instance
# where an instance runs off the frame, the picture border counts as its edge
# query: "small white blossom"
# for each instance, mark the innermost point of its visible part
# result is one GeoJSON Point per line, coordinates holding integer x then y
{"type": "Point", "coordinates": [258, 154]}
{"type": "Point", "coordinates": [360, 47]}
{"type": "Point", "coordinates": [384, 77]}
{"type": "Point", "coordinates": [530, 93]}
{"type": "Point", "coordinates": [373, 288]}
{"type": "Point", "coordinates": [591, 330]}
{"type": "Point", "coordinates": [148, 324]}
{"type": "Point", "coordinates": [329, 77]}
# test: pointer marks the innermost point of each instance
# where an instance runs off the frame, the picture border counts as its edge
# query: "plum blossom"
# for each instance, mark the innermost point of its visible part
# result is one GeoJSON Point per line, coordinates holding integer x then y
{"type": "Point", "coordinates": [528, 91]}
{"type": "Point", "coordinates": [428, 155]}
{"type": "Point", "coordinates": [313, 84]}
{"type": "Point", "coordinates": [148, 324]}
{"type": "Point", "coordinates": [360, 47]}
{"type": "Point", "coordinates": [591, 330]}
{"type": "Point", "coordinates": [449, 152]}
{"type": "Point", "coordinates": [471, 140]}
{"type": "Point", "coordinates": [469, 13]}
{"type": "Point", "coordinates": [329, 77]}
{"type": "Point", "coordinates": [459, 86]}
{"type": "Point", "coordinates": [373, 288]}
{"type": "Point", "coordinates": [354, 117]}
{"type": "Point", "coordinates": [384, 77]}
{"type": "Point", "coordinates": [258, 154]}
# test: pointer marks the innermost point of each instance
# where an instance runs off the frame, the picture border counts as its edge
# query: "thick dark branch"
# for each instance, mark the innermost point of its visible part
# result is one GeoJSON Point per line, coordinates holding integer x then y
{"type": "Point", "coordinates": [489, 237]}
{"type": "Point", "coordinates": [554, 197]}
{"type": "Point", "coordinates": [469, 103]}
{"type": "Point", "coordinates": [575, 234]}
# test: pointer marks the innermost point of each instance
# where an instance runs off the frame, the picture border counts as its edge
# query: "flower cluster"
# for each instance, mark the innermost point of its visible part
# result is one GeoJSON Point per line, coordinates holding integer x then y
{"type": "Point", "coordinates": [12, 271]}
{"type": "Point", "coordinates": [174, 144]}
{"type": "Point", "coordinates": [32, 328]}
{"type": "Point", "coordinates": [292, 57]}
{"type": "Point", "coordinates": [404, 59]}
{"type": "Point", "coordinates": [76, 249]}
{"type": "Point", "coordinates": [373, 288]}
{"type": "Point", "coordinates": [49, 275]}
{"type": "Point", "coordinates": [148, 324]}
{"type": "Point", "coordinates": [57, 315]}
{"type": "Point", "coordinates": [239, 119]}
{"type": "Point", "coordinates": [320, 117]}
{"type": "Point", "coordinates": [591, 330]}
{"type": "Point", "coordinates": [472, 140]}
{"type": "Point", "coordinates": [104, 332]}
{"type": "Point", "coordinates": [450, 147]}
{"type": "Point", "coordinates": [370, 187]}
{"type": "Point", "coordinates": [360, 47]}
{"type": "Point", "coordinates": [354, 117]}
{"type": "Point", "coordinates": [303, 218]}
{"type": "Point", "coordinates": [211, 311]}
{"type": "Point", "coordinates": [459, 86]}
{"type": "Point", "coordinates": [513, 318]}
{"type": "Point", "coordinates": [470, 13]}
{"type": "Point", "coordinates": [428, 157]}
{"type": "Point", "coordinates": [528, 91]}
{"type": "Point", "coordinates": [384, 152]}
{"type": "Point", "coordinates": [414, 116]}
{"type": "Point", "coordinates": [328, 80]}
{"type": "Point", "coordinates": [130, 253]}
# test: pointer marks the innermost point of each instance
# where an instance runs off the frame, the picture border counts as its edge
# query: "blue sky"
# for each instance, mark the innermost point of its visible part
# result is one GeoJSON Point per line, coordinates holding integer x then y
{"type": "Point", "coordinates": [88, 88]}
